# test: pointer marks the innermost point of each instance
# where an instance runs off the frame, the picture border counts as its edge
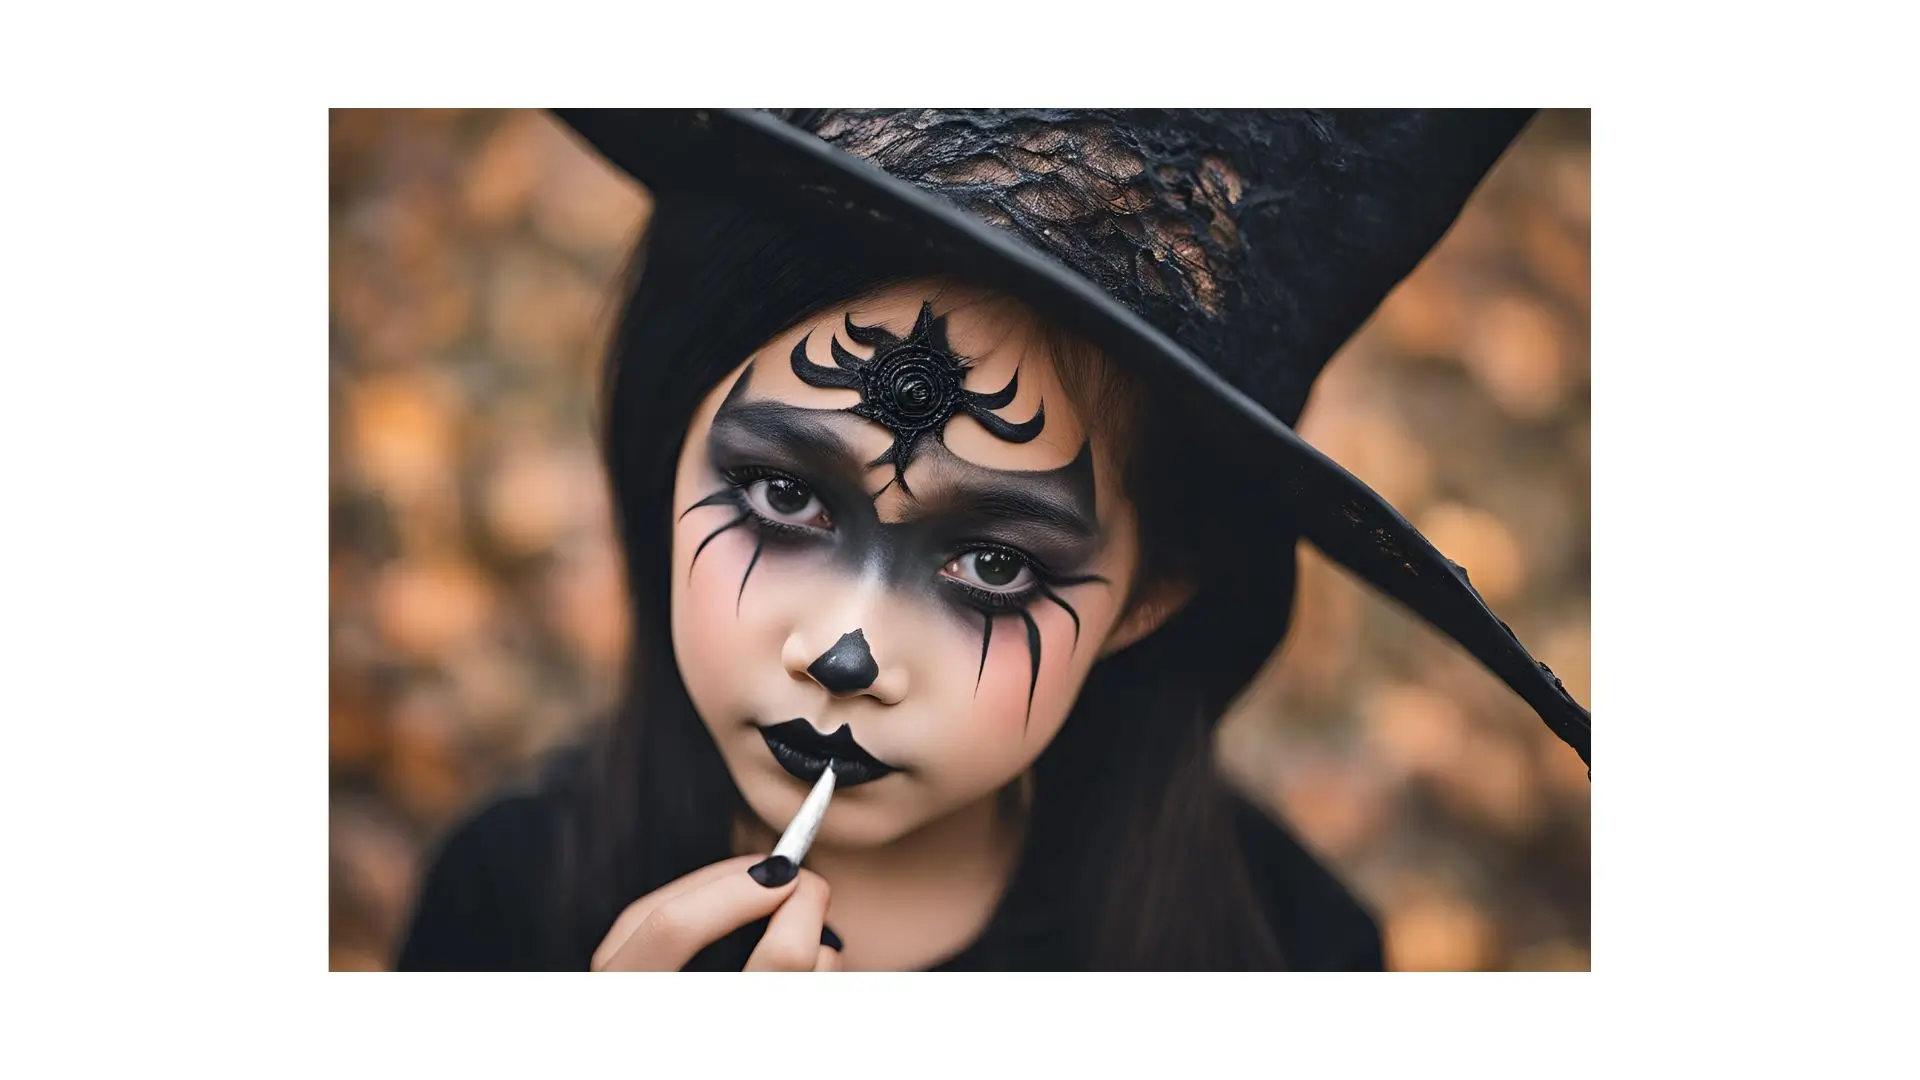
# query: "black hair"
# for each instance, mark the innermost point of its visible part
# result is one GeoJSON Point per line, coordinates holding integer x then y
{"type": "Point", "coordinates": [1131, 849]}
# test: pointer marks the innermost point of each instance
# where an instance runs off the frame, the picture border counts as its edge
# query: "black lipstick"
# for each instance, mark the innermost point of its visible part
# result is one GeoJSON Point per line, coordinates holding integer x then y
{"type": "Point", "coordinates": [804, 753]}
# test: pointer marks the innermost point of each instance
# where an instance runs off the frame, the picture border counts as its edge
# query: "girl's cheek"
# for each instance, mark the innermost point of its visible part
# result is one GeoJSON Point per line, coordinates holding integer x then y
{"type": "Point", "coordinates": [719, 628]}
{"type": "Point", "coordinates": [998, 713]}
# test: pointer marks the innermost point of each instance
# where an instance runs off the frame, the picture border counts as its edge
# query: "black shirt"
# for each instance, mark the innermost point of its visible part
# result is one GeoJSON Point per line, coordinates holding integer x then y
{"type": "Point", "coordinates": [480, 904]}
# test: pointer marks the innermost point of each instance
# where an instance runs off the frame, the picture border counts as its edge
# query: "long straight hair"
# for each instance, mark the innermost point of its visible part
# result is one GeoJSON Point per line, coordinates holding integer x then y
{"type": "Point", "coordinates": [1131, 839]}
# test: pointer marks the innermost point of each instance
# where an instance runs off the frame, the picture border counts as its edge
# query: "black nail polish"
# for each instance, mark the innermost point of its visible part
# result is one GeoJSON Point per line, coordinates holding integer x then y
{"type": "Point", "coordinates": [773, 871]}
{"type": "Point", "coordinates": [831, 940]}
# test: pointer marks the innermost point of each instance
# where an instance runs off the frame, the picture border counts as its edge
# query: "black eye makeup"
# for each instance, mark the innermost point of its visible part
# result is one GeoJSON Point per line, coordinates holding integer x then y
{"type": "Point", "coordinates": [996, 571]}
{"type": "Point", "coordinates": [996, 579]}
{"type": "Point", "coordinates": [990, 577]}
{"type": "Point", "coordinates": [779, 501]}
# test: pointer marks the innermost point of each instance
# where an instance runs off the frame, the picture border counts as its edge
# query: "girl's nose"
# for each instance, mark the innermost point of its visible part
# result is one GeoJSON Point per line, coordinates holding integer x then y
{"type": "Point", "coordinates": [847, 667]}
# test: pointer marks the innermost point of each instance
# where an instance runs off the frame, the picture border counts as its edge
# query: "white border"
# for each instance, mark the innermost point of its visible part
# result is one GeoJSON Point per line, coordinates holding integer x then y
{"type": "Point", "coordinates": [164, 431]}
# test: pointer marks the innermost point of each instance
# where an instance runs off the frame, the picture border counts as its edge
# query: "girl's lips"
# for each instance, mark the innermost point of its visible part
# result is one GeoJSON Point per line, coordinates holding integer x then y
{"type": "Point", "coordinates": [804, 753]}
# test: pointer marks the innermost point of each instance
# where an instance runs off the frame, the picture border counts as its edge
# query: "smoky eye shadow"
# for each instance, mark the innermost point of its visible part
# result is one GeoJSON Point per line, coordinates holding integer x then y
{"type": "Point", "coordinates": [1058, 538]}
{"type": "Point", "coordinates": [1046, 556]}
{"type": "Point", "coordinates": [809, 452]}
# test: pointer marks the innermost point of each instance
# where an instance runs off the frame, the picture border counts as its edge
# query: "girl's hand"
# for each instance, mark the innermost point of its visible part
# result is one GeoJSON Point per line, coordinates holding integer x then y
{"type": "Point", "coordinates": [663, 930]}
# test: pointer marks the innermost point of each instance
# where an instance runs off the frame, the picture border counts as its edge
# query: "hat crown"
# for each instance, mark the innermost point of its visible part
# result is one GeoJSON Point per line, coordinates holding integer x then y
{"type": "Point", "coordinates": [1258, 239]}
{"type": "Point", "coordinates": [1153, 219]}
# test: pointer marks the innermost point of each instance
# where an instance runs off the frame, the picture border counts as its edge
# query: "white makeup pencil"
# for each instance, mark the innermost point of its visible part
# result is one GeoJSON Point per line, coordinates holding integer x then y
{"type": "Point", "coordinates": [800, 832]}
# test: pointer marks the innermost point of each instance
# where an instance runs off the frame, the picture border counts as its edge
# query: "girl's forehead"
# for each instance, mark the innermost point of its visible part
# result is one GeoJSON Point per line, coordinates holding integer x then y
{"type": "Point", "coordinates": [996, 344]}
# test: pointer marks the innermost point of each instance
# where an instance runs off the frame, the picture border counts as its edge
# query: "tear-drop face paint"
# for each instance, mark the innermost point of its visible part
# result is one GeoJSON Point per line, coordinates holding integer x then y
{"type": "Point", "coordinates": [942, 597]}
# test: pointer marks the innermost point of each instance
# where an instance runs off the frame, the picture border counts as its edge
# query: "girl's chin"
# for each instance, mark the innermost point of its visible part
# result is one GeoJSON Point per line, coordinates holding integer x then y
{"type": "Point", "coordinates": [861, 817]}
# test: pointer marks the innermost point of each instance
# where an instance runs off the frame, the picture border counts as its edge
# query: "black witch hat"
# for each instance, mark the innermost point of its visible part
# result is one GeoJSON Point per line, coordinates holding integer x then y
{"type": "Point", "coordinates": [1221, 256]}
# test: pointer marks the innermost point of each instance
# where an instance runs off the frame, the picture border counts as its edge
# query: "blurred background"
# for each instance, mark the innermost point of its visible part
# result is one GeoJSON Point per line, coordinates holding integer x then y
{"type": "Point", "coordinates": [476, 604]}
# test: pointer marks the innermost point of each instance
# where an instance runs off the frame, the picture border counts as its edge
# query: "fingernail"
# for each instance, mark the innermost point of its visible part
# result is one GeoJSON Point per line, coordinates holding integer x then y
{"type": "Point", "coordinates": [773, 871]}
{"type": "Point", "coordinates": [830, 939]}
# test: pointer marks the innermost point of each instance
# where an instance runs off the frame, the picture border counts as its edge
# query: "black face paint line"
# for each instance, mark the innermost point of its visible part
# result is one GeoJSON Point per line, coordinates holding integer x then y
{"type": "Point", "coordinates": [1046, 590]}
{"type": "Point", "coordinates": [760, 544]}
{"type": "Point", "coordinates": [725, 498]}
{"type": "Point", "coordinates": [1033, 651]}
{"type": "Point", "coordinates": [735, 523]}
{"type": "Point", "coordinates": [848, 667]}
{"type": "Point", "coordinates": [986, 642]}
{"type": "Point", "coordinates": [912, 386]}
{"type": "Point", "coordinates": [1033, 638]}
{"type": "Point", "coordinates": [1064, 606]}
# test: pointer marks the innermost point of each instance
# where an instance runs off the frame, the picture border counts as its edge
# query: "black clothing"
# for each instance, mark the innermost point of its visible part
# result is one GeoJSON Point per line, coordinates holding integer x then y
{"type": "Point", "coordinates": [482, 903]}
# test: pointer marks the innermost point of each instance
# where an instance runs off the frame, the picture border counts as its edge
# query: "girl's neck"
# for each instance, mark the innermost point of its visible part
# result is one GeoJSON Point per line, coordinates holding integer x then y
{"type": "Point", "coordinates": [918, 900]}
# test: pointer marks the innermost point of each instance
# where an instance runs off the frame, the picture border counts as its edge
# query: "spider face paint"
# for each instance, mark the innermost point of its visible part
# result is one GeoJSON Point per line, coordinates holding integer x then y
{"type": "Point", "coordinates": [912, 386]}
{"type": "Point", "coordinates": [937, 592]}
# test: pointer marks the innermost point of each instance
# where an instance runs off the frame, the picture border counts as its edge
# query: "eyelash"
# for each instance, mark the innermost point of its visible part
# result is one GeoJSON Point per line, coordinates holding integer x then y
{"type": "Point", "coordinates": [988, 599]}
{"type": "Point", "coordinates": [744, 477]}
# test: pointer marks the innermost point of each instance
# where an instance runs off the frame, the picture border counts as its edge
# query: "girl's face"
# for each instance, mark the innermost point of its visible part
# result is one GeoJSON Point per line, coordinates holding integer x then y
{"type": "Point", "coordinates": [885, 558]}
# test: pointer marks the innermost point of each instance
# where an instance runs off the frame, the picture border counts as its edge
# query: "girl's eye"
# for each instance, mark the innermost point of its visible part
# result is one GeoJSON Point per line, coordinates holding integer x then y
{"type": "Point", "coordinates": [994, 571]}
{"type": "Point", "coordinates": [787, 501]}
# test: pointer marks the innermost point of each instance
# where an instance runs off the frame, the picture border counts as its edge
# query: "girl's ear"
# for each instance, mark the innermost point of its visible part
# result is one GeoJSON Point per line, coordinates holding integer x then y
{"type": "Point", "coordinates": [1156, 604]}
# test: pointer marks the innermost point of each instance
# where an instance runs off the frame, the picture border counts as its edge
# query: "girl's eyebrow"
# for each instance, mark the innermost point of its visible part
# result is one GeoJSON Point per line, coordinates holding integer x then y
{"type": "Point", "coordinates": [987, 505]}
{"type": "Point", "coordinates": [777, 426]}
{"type": "Point", "coordinates": [1059, 500]}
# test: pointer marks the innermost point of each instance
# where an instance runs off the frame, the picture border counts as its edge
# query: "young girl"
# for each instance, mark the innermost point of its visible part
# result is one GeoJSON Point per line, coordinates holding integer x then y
{"type": "Point", "coordinates": [970, 474]}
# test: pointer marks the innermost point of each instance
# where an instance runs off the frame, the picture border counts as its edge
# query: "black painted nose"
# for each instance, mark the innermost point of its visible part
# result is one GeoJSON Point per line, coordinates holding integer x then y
{"type": "Point", "coordinates": [848, 667]}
